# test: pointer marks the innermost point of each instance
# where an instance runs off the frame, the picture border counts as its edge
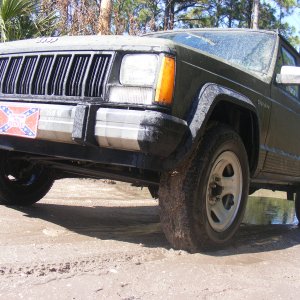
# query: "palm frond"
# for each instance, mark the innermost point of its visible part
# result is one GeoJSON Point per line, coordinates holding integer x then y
{"type": "Point", "coordinates": [21, 19]}
{"type": "Point", "coordinates": [15, 8]}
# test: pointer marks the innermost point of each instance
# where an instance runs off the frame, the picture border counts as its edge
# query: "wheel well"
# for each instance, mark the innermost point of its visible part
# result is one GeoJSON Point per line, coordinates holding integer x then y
{"type": "Point", "coordinates": [245, 123]}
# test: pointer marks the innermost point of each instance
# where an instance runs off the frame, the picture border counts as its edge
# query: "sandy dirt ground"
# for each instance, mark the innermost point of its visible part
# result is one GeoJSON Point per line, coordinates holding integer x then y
{"type": "Point", "coordinates": [92, 240]}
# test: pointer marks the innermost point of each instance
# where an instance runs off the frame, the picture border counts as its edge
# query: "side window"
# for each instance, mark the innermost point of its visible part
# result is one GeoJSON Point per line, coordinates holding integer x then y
{"type": "Point", "coordinates": [287, 59]}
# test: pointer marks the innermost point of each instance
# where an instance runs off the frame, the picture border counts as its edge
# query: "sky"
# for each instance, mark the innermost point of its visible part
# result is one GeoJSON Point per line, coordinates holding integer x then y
{"type": "Point", "coordinates": [295, 20]}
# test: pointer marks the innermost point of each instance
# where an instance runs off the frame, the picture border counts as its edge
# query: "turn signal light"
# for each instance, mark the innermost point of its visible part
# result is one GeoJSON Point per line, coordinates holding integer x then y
{"type": "Point", "coordinates": [165, 85]}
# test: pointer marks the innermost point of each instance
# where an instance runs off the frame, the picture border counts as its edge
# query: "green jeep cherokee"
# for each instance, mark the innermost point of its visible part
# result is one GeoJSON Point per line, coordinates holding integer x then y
{"type": "Point", "coordinates": [200, 117]}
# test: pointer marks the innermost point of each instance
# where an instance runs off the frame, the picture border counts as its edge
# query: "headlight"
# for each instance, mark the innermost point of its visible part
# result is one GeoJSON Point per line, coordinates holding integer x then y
{"type": "Point", "coordinates": [139, 69]}
{"type": "Point", "coordinates": [145, 79]}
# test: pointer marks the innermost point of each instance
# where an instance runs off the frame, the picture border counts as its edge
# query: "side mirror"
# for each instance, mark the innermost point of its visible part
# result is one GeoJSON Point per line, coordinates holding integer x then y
{"type": "Point", "coordinates": [289, 75]}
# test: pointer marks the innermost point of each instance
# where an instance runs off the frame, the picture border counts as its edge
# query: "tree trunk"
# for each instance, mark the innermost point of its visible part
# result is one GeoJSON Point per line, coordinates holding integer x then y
{"type": "Point", "coordinates": [105, 16]}
{"type": "Point", "coordinates": [230, 13]}
{"type": "Point", "coordinates": [169, 14]}
{"type": "Point", "coordinates": [255, 14]}
{"type": "Point", "coordinates": [218, 13]}
{"type": "Point", "coordinates": [172, 15]}
{"type": "Point", "coordinates": [280, 18]}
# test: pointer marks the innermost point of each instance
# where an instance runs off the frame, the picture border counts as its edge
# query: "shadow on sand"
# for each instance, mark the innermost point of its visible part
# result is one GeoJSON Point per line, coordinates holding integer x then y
{"type": "Point", "coordinates": [141, 225]}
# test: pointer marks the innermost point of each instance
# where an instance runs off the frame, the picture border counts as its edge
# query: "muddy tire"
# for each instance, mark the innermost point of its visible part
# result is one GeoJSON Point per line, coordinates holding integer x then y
{"type": "Point", "coordinates": [297, 206]}
{"type": "Point", "coordinates": [202, 203]}
{"type": "Point", "coordinates": [21, 182]}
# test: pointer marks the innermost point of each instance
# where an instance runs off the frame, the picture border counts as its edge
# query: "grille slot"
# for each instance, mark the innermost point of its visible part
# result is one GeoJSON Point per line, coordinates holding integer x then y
{"type": "Point", "coordinates": [58, 75]}
{"type": "Point", "coordinates": [11, 75]}
{"type": "Point", "coordinates": [3, 65]}
{"type": "Point", "coordinates": [96, 76]}
{"type": "Point", "coordinates": [23, 82]}
{"type": "Point", "coordinates": [62, 76]}
{"type": "Point", "coordinates": [42, 73]}
{"type": "Point", "coordinates": [76, 75]}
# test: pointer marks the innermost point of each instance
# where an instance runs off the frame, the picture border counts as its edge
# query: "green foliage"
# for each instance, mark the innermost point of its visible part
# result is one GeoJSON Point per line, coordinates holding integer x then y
{"type": "Point", "coordinates": [229, 13]}
{"type": "Point", "coordinates": [20, 19]}
{"type": "Point", "coordinates": [26, 18]}
{"type": "Point", "coordinates": [136, 16]}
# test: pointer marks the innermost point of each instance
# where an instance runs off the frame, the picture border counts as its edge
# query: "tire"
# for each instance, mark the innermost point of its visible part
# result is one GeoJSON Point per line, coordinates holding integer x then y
{"type": "Point", "coordinates": [297, 206]}
{"type": "Point", "coordinates": [21, 182]}
{"type": "Point", "coordinates": [196, 214]}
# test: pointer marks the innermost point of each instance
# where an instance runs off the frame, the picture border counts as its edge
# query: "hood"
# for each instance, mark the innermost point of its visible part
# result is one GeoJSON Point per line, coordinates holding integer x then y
{"type": "Point", "coordinates": [88, 43]}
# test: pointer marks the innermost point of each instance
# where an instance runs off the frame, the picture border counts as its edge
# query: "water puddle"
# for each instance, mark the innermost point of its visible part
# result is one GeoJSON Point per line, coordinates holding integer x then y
{"type": "Point", "coordinates": [264, 211]}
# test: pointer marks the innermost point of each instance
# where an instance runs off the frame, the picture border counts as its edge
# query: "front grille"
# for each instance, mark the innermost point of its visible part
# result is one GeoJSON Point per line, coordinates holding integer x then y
{"type": "Point", "coordinates": [61, 75]}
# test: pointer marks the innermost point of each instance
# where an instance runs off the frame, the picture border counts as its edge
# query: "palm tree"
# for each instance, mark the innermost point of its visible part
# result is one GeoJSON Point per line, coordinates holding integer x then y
{"type": "Point", "coordinates": [20, 19]}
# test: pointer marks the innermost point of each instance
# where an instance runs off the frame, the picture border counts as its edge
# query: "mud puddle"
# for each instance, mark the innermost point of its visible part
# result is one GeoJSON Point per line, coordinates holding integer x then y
{"type": "Point", "coordinates": [266, 211]}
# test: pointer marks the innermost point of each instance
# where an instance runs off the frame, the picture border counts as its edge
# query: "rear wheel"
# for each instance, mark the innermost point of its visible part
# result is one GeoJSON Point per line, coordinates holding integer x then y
{"type": "Point", "coordinates": [203, 202]}
{"type": "Point", "coordinates": [22, 182]}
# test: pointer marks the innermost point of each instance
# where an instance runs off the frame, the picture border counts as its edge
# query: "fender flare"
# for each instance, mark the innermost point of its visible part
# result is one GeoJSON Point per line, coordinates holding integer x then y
{"type": "Point", "coordinates": [210, 95]}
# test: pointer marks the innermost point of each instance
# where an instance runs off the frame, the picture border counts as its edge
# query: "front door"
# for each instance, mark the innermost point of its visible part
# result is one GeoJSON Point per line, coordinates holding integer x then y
{"type": "Point", "coordinates": [283, 141]}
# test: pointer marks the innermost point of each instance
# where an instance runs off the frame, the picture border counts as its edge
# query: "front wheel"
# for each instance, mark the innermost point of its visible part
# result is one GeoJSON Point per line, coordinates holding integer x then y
{"type": "Point", "coordinates": [22, 182]}
{"type": "Point", "coordinates": [203, 202]}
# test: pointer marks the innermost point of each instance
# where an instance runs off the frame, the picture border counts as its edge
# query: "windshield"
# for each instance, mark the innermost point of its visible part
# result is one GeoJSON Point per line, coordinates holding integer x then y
{"type": "Point", "coordinates": [249, 50]}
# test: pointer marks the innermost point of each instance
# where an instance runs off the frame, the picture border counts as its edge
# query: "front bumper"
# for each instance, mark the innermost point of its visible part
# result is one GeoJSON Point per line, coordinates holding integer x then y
{"type": "Point", "coordinates": [147, 132]}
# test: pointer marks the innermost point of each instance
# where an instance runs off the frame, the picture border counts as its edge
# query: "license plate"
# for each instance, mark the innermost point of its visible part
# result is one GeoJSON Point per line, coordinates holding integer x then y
{"type": "Point", "coordinates": [19, 121]}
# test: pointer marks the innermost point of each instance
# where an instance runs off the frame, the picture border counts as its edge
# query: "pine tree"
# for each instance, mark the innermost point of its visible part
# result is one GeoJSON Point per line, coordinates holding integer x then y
{"type": "Point", "coordinates": [255, 14]}
{"type": "Point", "coordinates": [105, 16]}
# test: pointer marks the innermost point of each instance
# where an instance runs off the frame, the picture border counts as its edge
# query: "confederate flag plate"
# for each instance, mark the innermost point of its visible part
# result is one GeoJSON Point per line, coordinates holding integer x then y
{"type": "Point", "coordinates": [19, 120]}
